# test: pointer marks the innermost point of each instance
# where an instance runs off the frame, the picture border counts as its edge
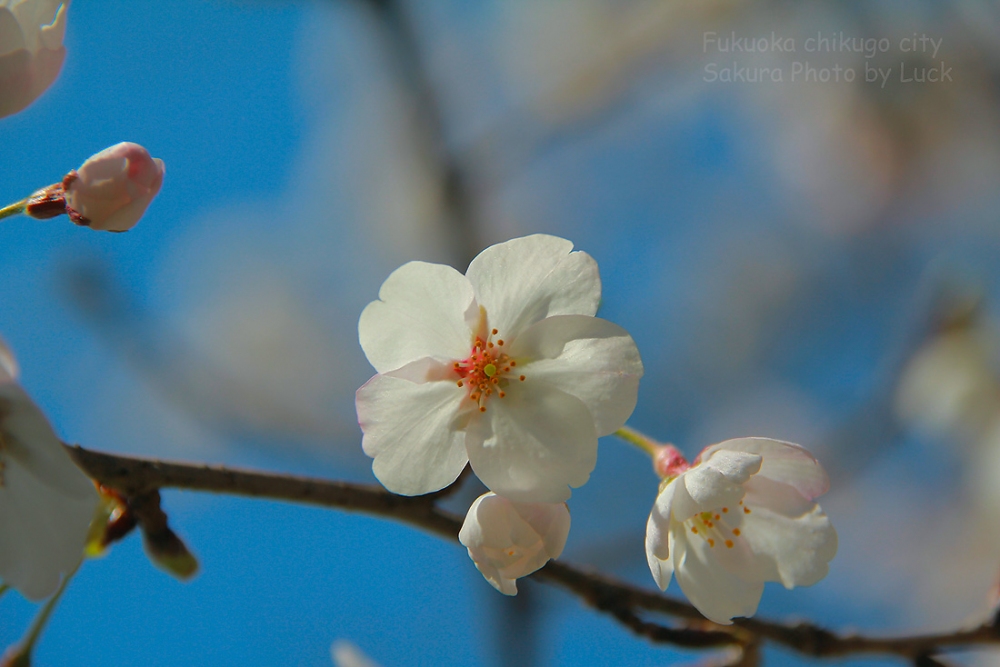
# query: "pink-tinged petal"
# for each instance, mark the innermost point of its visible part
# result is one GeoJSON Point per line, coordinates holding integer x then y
{"type": "Point", "coordinates": [586, 357]}
{"type": "Point", "coordinates": [409, 429]}
{"type": "Point", "coordinates": [533, 444]}
{"type": "Point", "coordinates": [658, 527]}
{"type": "Point", "coordinates": [714, 591]}
{"type": "Point", "coordinates": [783, 462]}
{"type": "Point", "coordinates": [424, 310]}
{"type": "Point", "coordinates": [791, 533]}
{"type": "Point", "coordinates": [716, 482]}
{"type": "Point", "coordinates": [527, 279]}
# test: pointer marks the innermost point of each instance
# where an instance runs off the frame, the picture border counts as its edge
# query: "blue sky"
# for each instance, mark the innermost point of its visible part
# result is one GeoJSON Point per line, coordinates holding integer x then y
{"type": "Point", "coordinates": [294, 184]}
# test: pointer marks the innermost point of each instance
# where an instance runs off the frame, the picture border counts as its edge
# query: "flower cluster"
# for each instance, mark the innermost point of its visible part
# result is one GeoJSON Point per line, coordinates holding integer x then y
{"type": "Point", "coordinates": [504, 368]}
{"type": "Point", "coordinates": [507, 368]}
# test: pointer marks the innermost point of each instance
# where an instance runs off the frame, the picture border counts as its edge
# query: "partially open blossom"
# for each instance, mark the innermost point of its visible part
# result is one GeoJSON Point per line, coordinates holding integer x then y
{"type": "Point", "coordinates": [504, 367]}
{"type": "Point", "coordinates": [111, 190]}
{"type": "Point", "coordinates": [31, 50]}
{"type": "Point", "coordinates": [743, 514]}
{"type": "Point", "coordinates": [508, 540]}
{"type": "Point", "coordinates": [46, 502]}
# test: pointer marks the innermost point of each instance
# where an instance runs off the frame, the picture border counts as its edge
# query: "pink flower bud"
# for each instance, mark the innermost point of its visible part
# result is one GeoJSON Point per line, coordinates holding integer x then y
{"type": "Point", "coordinates": [31, 50]}
{"type": "Point", "coordinates": [668, 462]}
{"type": "Point", "coordinates": [112, 189]}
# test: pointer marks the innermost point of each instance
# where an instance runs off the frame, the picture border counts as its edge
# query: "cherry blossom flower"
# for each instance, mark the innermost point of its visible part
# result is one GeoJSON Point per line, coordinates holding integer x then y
{"type": "Point", "coordinates": [46, 502]}
{"type": "Point", "coordinates": [504, 367]}
{"type": "Point", "coordinates": [112, 189]}
{"type": "Point", "coordinates": [743, 514]}
{"type": "Point", "coordinates": [508, 540]}
{"type": "Point", "coordinates": [31, 50]}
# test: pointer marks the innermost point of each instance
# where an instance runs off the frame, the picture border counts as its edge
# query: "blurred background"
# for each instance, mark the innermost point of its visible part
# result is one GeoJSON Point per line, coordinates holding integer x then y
{"type": "Point", "coordinates": [814, 259]}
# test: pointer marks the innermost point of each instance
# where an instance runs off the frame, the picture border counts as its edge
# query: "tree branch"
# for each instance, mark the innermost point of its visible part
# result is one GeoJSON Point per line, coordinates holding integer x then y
{"type": "Point", "coordinates": [134, 476]}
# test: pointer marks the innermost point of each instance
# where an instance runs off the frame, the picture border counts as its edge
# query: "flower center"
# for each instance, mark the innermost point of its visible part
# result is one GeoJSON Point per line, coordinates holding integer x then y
{"type": "Point", "coordinates": [714, 528]}
{"type": "Point", "coordinates": [485, 371]}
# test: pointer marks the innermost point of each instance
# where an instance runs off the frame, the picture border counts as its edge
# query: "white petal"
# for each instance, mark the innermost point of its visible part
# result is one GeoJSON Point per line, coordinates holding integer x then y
{"type": "Point", "coordinates": [508, 540]}
{"type": "Point", "coordinates": [29, 440]}
{"type": "Point", "coordinates": [784, 462]}
{"type": "Point", "coordinates": [409, 429]}
{"type": "Point", "coordinates": [791, 532]}
{"type": "Point", "coordinates": [46, 502]}
{"type": "Point", "coordinates": [718, 594]}
{"type": "Point", "coordinates": [661, 564]}
{"type": "Point", "coordinates": [527, 279]}
{"type": "Point", "coordinates": [586, 357]}
{"type": "Point", "coordinates": [44, 531]}
{"type": "Point", "coordinates": [12, 35]}
{"type": "Point", "coordinates": [532, 444]}
{"type": "Point", "coordinates": [423, 311]}
{"type": "Point", "coordinates": [550, 521]}
{"type": "Point", "coordinates": [8, 364]}
{"type": "Point", "coordinates": [714, 483]}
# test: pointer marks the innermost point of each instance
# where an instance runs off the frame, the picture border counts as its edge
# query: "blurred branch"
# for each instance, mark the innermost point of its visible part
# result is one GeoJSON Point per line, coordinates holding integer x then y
{"type": "Point", "coordinates": [456, 184]}
{"type": "Point", "coordinates": [190, 380]}
{"type": "Point", "coordinates": [133, 476]}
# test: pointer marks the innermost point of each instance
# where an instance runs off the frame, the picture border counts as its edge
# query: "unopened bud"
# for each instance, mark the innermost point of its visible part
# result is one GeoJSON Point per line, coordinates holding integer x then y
{"type": "Point", "coordinates": [111, 190]}
{"type": "Point", "coordinates": [668, 462]}
{"type": "Point", "coordinates": [163, 546]}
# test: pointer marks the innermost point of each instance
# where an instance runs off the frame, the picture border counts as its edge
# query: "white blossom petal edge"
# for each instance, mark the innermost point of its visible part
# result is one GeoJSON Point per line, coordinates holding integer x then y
{"type": "Point", "coordinates": [743, 514]}
{"type": "Point", "coordinates": [505, 367]}
{"type": "Point", "coordinates": [508, 540]}
{"type": "Point", "coordinates": [46, 502]}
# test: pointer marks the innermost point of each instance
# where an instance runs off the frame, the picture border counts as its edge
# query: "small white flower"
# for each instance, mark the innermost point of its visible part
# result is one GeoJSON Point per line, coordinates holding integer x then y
{"type": "Point", "coordinates": [31, 50]}
{"type": "Point", "coordinates": [504, 367]}
{"type": "Point", "coordinates": [46, 502]}
{"type": "Point", "coordinates": [743, 514]}
{"type": "Point", "coordinates": [508, 540]}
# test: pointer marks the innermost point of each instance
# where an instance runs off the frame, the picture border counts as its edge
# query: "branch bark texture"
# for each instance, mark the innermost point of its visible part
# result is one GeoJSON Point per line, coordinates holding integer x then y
{"type": "Point", "coordinates": [134, 476]}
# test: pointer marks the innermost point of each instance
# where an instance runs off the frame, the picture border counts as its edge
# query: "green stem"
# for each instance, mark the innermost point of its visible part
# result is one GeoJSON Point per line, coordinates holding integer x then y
{"type": "Point", "coordinates": [643, 442]}
{"type": "Point", "coordinates": [23, 655]}
{"type": "Point", "coordinates": [14, 209]}
{"type": "Point", "coordinates": [3, 589]}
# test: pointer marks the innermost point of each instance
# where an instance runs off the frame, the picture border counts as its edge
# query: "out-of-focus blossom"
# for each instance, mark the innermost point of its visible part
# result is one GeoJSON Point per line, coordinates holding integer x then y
{"type": "Point", "coordinates": [743, 514]}
{"type": "Point", "coordinates": [31, 50]}
{"type": "Point", "coordinates": [111, 190]}
{"type": "Point", "coordinates": [346, 654]}
{"type": "Point", "coordinates": [950, 386]}
{"type": "Point", "coordinates": [505, 367]}
{"type": "Point", "coordinates": [46, 502]}
{"type": "Point", "coordinates": [508, 540]}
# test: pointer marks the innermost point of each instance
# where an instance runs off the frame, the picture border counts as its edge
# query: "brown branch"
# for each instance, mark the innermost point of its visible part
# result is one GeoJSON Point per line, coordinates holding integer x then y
{"type": "Point", "coordinates": [135, 476]}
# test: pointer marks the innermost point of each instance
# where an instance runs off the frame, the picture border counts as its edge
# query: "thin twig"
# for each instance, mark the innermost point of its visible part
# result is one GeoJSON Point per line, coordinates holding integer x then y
{"type": "Point", "coordinates": [133, 475]}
